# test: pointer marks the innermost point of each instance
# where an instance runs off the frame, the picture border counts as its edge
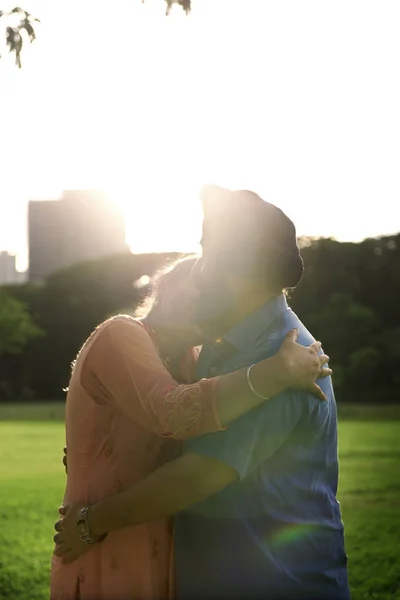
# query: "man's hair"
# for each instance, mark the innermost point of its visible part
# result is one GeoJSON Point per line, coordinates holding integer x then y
{"type": "Point", "coordinates": [251, 238]}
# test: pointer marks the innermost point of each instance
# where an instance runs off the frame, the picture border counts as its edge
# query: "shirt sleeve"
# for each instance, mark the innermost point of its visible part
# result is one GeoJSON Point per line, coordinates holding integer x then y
{"type": "Point", "coordinates": [122, 368]}
{"type": "Point", "coordinates": [255, 437]}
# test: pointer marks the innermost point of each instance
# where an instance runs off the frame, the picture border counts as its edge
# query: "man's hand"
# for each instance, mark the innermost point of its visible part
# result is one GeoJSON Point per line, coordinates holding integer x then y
{"type": "Point", "coordinates": [68, 543]}
{"type": "Point", "coordinates": [64, 460]}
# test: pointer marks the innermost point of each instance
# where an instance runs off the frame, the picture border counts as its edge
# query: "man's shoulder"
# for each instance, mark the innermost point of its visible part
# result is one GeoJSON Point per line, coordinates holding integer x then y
{"type": "Point", "coordinates": [289, 321]}
{"type": "Point", "coordinates": [270, 340]}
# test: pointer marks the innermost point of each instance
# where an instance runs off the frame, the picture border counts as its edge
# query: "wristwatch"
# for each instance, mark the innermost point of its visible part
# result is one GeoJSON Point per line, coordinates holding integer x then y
{"type": "Point", "coordinates": [82, 524]}
{"type": "Point", "coordinates": [84, 532]}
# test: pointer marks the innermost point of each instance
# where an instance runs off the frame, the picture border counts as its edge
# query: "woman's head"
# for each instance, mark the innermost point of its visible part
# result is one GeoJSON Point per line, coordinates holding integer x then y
{"type": "Point", "coordinates": [173, 315]}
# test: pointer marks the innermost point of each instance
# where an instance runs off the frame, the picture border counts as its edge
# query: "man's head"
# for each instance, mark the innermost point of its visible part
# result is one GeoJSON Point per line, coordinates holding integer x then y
{"type": "Point", "coordinates": [250, 254]}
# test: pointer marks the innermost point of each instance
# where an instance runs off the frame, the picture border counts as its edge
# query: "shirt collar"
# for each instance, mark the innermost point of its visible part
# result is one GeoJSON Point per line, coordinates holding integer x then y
{"type": "Point", "coordinates": [246, 333]}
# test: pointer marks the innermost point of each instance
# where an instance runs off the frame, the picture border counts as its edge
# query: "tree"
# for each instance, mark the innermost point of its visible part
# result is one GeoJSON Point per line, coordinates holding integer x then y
{"type": "Point", "coordinates": [16, 325]}
{"type": "Point", "coordinates": [68, 307]}
{"type": "Point", "coordinates": [19, 25]}
{"type": "Point", "coordinates": [348, 299]}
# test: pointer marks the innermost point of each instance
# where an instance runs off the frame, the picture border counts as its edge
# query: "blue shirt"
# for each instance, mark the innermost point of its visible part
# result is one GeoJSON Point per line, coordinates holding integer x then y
{"type": "Point", "coordinates": [277, 532]}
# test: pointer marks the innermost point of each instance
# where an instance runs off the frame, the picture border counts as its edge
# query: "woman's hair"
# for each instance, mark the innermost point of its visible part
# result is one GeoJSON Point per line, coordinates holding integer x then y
{"type": "Point", "coordinates": [165, 279]}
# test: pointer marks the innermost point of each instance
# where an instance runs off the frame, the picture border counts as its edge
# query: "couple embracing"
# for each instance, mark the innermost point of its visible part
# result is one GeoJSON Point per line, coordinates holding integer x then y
{"type": "Point", "coordinates": [212, 474]}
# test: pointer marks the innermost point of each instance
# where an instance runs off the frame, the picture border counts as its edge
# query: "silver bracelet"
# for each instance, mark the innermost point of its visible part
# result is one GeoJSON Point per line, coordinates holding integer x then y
{"type": "Point", "coordinates": [251, 385]}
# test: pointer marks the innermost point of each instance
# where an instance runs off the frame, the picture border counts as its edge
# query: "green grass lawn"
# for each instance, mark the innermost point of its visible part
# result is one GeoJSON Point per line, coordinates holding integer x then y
{"type": "Point", "coordinates": [32, 483]}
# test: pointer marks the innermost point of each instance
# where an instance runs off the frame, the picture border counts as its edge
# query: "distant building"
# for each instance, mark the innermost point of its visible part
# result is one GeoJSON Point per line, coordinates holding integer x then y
{"type": "Point", "coordinates": [8, 270]}
{"type": "Point", "coordinates": [45, 235]}
{"type": "Point", "coordinates": [83, 225]}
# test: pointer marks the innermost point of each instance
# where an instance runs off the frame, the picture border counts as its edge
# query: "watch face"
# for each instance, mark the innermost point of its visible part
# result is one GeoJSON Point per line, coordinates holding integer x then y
{"type": "Point", "coordinates": [81, 527]}
{"type": "Point", "coordinates": [83, 513]}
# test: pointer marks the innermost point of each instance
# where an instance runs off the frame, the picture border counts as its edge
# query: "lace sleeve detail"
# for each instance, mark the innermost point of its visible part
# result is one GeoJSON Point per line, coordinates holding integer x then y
{"type": "Point", "coordinates": [122, 368]}
{"type": "Point", "coordinates": [186, 411]}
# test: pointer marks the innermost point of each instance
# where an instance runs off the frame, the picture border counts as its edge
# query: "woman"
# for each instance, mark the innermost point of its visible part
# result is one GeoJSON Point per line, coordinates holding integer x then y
{"type": "Point", "coordinates": [124, 413]}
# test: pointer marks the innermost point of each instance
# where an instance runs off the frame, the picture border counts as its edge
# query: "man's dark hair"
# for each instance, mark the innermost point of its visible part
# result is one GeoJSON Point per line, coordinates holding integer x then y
{"type": "Point", "coordinates": [250, 237]}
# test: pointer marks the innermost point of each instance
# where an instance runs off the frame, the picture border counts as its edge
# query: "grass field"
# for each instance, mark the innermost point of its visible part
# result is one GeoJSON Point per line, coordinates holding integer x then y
{"type": "Point", "coordinates": [32, 482]}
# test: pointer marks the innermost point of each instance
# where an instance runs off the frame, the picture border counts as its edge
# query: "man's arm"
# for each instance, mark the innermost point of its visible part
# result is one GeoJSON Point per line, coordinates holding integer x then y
{"type": "Point", "coordinates": [170, 489]}
{"type": "Point", "coordinates": [211, 463]}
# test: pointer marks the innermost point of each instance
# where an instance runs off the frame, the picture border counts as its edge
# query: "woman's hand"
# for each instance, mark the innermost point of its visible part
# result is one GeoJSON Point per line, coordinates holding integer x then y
{"type": "Point", "coordinates": [69, 545]}
{"type": "Point", "coordinates": [302, 366]}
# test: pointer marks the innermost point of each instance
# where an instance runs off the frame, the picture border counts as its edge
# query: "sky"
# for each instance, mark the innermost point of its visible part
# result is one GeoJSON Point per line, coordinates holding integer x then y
{"type": "Point", "coordinates": [298, 101]}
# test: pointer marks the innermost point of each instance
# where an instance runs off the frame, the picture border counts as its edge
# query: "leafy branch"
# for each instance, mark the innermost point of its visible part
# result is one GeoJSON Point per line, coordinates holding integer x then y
{"type": "Point", "coordinates": [20, 25]}
{"type": "Point", "coordinates": [185, 4]}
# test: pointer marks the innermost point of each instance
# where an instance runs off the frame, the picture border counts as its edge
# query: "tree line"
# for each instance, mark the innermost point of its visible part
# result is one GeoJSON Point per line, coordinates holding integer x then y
{"type": "Point", "coordinates": [348, 299]}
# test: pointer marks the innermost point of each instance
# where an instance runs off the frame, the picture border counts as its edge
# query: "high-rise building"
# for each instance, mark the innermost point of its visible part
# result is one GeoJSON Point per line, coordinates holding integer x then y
{"type": "Point", "coordinates": [8, 270]}
{"type": "Point", "coordinates": [45, 238]}
{"type": "Point", "coordinates": [83, 225]}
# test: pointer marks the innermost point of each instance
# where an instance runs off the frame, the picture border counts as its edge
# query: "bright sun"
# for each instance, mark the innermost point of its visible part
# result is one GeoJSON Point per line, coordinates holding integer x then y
{"type": "Point", "coordinates": [182, 102]}
{"type": "Point", "coordinates": [160, 216]}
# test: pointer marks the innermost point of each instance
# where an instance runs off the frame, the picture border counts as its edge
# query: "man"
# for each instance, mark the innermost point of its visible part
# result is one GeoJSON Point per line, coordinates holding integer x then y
{"type": "Point", "coordinates": [255, 505]}
{"type": "Point", "coordinates": [276, 532]}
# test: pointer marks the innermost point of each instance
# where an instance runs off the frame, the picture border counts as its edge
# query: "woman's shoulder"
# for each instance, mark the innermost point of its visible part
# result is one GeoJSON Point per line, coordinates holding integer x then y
{"type": "Point", "coordinates": [112, 328]}
{"type": "Point", "coordinates": [119, 326]}
{"type": "Point", "coordinates": [120, 320]}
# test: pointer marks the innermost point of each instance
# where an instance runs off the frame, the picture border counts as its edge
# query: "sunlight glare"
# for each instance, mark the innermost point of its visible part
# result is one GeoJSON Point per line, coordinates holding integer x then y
{"type": "Point", "coordinates": [178, 102]}
{"type": "Point", "coordinates": [160, 216]}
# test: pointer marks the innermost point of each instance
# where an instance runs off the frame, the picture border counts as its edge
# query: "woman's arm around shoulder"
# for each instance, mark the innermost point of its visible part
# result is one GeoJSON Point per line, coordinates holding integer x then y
{"type": "Point", "coordinates": [123, 368]}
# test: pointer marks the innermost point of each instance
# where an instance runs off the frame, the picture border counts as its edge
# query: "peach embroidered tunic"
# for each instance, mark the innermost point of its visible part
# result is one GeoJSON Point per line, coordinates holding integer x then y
{"type": "Point", "coordinates": [124, 417]}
